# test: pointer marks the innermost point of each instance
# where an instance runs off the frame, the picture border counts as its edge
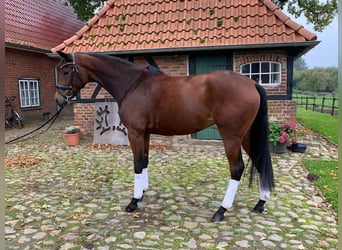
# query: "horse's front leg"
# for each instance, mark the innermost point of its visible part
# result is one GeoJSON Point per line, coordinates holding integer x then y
{"type": "Point", "coordinates": [145, 164]}
{"type": "Point", "coordinates": [139, 145]}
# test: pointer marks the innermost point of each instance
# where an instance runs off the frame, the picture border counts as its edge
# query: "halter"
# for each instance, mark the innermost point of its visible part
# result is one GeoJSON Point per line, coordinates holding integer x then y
{"type": "Point", "coordinates": [68, 90]}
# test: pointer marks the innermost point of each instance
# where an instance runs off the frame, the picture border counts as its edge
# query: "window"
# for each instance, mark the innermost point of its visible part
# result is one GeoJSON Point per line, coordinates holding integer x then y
{"type": "Point", "coordinates": [265, 73]}
{"type": "Point", "coordinates": [29, 93]}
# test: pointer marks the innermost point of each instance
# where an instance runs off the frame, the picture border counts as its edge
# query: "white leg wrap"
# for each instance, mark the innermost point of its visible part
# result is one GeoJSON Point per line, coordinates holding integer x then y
{"type": "Point", "coordinates": [264, 194]}
{"type": "Point", "coordinates": [138, 186]}
{"type": "Point", "coordinates": [230, 194]}
{"type": "Point", "coordinates": [145, 179]}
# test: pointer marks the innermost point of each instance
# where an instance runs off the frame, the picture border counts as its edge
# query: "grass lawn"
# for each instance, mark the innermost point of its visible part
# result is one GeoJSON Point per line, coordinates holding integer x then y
{"type": "Point", "coordinates": [327, 126]}
{"type": "Point", "coordinates": [324, 124]}
{"type": "Point", "coordinates": [327, 181]}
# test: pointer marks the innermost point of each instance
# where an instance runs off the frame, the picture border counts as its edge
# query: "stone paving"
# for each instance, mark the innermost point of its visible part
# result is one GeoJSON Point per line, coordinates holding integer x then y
{"type": "Point", "coordinates": [61, 197]}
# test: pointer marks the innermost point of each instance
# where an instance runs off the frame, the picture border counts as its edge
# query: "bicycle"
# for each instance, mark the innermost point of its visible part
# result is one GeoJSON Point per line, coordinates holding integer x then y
{"type": "Point", "coordinates": [12, 117]}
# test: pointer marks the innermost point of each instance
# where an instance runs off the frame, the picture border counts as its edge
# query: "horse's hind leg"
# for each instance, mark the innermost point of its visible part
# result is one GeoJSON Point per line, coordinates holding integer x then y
{"type": "Point", "coordinates": [140, 146]}
{"type": "Point", "coordinates": [264, 194]}
{"type": "Point", "coordinates": [234, 155]}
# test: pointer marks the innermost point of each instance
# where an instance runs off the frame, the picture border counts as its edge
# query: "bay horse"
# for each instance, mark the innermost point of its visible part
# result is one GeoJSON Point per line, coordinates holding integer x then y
{"type": "Point", "coordinates": [151, 102]}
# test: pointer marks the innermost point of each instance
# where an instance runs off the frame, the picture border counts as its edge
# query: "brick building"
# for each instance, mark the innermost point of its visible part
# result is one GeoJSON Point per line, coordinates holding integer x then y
{"type": "Point", "coordinates": [186, 37]}
{"type": "Point", "coordinates": [32, 28]}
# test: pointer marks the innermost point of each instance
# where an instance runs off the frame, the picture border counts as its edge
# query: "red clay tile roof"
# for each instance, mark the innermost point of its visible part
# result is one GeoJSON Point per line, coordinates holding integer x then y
{"type": "Point", "coordinates": [39, 23]}
{"type": "Point", "coordinates": [157, 25]}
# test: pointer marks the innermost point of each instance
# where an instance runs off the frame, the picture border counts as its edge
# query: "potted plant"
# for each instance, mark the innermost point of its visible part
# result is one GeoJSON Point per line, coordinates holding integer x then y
{"type": "Point", "coordinates": [281, 134]}
{"type": "Point", "coordinates": [297, 146]}
{"type": "Point", "coordinates": [72, 135]}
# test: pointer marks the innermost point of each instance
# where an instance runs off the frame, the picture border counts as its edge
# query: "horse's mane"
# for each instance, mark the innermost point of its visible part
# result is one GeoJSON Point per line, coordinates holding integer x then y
{"type": "Point", "coordinates": [113, 58]}
{"type": "Point", "coordinates": [152, 69]}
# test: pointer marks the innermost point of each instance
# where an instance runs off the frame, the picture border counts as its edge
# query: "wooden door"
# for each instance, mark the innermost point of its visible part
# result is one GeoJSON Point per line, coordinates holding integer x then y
{"type": "Point", "coordinates": [206, 63]}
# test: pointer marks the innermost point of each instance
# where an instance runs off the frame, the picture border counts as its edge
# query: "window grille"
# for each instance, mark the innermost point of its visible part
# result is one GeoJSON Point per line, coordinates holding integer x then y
{"type": "Point", "coordinates": [29, 93]}
{"type": "Point", "coordinates": [265, 73]}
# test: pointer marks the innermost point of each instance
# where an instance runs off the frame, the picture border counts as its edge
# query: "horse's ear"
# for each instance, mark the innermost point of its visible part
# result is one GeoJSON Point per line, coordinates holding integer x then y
{"type": "Point", "coordinates": [62, 54]}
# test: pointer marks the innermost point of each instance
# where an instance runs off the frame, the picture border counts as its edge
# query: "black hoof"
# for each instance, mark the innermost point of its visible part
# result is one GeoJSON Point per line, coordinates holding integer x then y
{"type": "Point", "coordinates": [258, 210]}
{"type": "Point", "coordinates": [259, 207]}
{"type": "Point", "coordinates": [132, 206]}
{"type": "Point", "coordinates": [219, 215]}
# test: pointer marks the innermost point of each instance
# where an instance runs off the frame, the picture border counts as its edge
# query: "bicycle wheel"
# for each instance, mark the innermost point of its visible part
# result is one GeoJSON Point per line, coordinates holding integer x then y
{"type": "Point", "coordinates": [7, 123]}
{"type": "Point", "coordinates": [8, 119]}
{"type": "Point", "coordinates": [17, 121]}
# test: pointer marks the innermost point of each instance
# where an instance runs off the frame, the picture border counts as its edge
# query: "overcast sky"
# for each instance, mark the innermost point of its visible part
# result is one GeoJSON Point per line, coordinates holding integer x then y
{"type": "Point", "coordinates": [326, 52]}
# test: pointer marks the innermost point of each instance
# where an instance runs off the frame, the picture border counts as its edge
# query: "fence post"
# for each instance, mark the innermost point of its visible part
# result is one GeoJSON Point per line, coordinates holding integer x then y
{"type": "Point", "coordinates": [333, 106]}
{"type": "Point", "coordinates": [322, 108]}
{"type": "Point", "coordinates": [314, 103]}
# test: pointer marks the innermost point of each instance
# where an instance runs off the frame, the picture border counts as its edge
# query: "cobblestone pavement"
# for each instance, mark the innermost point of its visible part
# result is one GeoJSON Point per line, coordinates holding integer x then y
{"type": "Point", "coordinates": [61, 197]}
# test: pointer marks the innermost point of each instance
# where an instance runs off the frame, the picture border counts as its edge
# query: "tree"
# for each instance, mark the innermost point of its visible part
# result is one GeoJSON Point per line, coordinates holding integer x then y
{"type": "Point", "coordinates": [319, 13]}
{"type": "Point", "coordinates": [85, 9]}
{"type": "Point", "coordinates": [316, 79]}
{"type": "Point", "coordinates": [300, 64]}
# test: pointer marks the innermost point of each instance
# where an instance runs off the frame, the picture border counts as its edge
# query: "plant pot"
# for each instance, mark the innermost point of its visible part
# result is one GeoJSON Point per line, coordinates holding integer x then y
{"type": "Point", "coordinates": [72, 139]}
{"type": "Point", "coordinates": [280, 148]}
{"type": "Point", "coordinates": [298, 147]}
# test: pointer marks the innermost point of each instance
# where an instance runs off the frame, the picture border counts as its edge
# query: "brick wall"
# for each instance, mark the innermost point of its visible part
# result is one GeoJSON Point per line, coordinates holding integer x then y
{"type": "Point", "coordinates": [282, 110]}
{"type": "Point", "coordinates": [24, 64]}
{"type": "Point", "coordinates": [84, 112]}
{"type": "Point", "coordinates": [178, 65]}
{"type": "Point", "coordinates": [171, 65]}
{"type": "Point", "coordinates": [84, 116]}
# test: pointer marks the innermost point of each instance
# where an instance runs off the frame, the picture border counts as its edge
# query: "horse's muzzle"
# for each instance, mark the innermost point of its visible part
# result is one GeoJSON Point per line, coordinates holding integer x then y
{"type": "Point", "coordinates": [61, 100]}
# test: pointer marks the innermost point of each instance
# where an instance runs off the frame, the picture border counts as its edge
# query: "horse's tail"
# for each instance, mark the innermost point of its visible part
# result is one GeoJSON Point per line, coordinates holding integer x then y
{"type": "Point", "coordinates": [259, 149]}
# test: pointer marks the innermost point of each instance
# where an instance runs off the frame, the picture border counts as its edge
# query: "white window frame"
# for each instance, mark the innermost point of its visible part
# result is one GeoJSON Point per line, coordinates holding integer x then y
{"type": "Point", "coordinates": [29, 93]}
{"type": "Point", "coordinates": [266, 73]}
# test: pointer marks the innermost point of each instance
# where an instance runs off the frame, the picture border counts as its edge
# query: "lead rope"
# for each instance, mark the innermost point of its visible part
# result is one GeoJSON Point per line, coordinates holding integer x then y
{"type": "Point", "coordinates": [53, 119]}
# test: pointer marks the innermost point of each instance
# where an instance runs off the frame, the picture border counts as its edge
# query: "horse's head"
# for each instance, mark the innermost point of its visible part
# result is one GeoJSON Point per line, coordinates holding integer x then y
{"type": "Point", "coordinates": [68, 78]}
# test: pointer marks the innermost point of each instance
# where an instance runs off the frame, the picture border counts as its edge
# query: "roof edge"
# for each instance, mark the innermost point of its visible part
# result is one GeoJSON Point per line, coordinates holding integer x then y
{"type": "Point", "coordinates": [25, 48]}
{"type": "Point", "coordinates": [87, 26]}
{"type": "Point", "coordinates": [287, 21]}
{"type": "Point", "coordinates": [308, 44]}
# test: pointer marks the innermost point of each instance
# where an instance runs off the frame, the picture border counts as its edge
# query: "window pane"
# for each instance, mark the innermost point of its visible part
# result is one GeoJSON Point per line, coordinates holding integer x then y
{"type": "Point", "coordinates": [265, 78]}
{"type": "Point", "coordinates": [22, 87]}
{"type": "Point", "coordinates": [275, 78]}
{"type": "Point", "coordinates": [255, 67]}
{"type": "Point", "coordinates": [255, 77]}
{"type": "Point", "coordinates": [265, 67]}
{"type": "Point", "coordinates": [275, 67]}
{"type": "Point", "coordinates": [245, 69]}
